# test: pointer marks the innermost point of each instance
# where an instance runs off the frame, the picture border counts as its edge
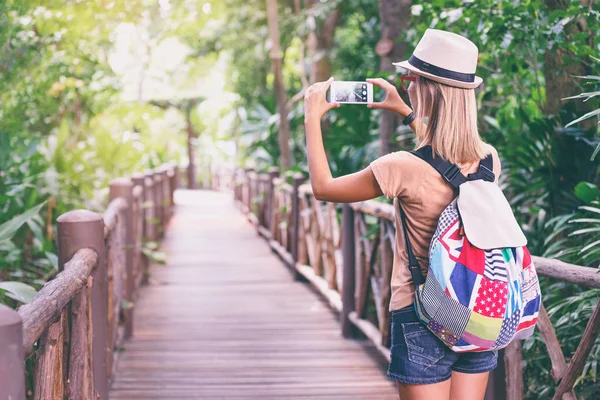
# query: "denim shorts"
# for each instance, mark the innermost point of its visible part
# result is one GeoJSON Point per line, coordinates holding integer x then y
{"type": "Point", "coordinates": [419, 357]}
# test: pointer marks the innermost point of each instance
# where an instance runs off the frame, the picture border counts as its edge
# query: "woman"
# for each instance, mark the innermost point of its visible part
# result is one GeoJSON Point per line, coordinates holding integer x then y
{"type": "Point", "coordinates": [442, 82]}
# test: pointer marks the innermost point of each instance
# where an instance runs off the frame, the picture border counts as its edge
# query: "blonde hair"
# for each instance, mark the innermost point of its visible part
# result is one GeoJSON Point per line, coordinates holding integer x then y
{"type": "Point", "coordinates": [451, 129]}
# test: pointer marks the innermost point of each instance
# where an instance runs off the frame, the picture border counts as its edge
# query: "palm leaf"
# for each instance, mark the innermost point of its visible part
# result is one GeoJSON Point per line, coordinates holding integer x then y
{"type": "Point", "coordinates": [592, 209]}
{"type": "Point", "coordinates": [595, 77]}
{"type": "Point", "coordinates": [589, 246]}
{"type": "Point", "coordinates": [584, 117]}
{"type": "Point", "coordinates": [586, 230]}
{"type": "Point", "coordinates": [9, 228]}
{"type": "Point", "coordinates": [18, 291]}
{"type": "Point", "coordinates": [589, 95]}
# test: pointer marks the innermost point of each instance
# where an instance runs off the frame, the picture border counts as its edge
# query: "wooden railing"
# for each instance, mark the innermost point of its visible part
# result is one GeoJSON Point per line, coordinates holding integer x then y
{"type": "Point", "coordinates": [349, 261]}
{"type": "Point", "coordinates": [76, 324]}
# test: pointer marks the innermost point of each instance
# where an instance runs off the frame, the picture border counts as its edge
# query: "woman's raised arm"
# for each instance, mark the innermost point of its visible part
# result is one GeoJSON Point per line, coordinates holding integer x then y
{"type": "Point", "coordinates": [349, 188]}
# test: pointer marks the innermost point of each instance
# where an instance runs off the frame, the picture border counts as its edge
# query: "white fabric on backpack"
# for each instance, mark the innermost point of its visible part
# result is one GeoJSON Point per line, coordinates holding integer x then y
{"type": "Point", "coordinates": [487, 217]}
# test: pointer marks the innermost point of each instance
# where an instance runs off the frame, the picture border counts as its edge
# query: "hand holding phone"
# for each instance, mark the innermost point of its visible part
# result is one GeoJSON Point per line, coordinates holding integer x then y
{"type": "Point", "coordinates": [315, 100]}
{"type": "Point", "coordinates": [347, 92]}
{"type": "Point", "coordinates": [392, 102]}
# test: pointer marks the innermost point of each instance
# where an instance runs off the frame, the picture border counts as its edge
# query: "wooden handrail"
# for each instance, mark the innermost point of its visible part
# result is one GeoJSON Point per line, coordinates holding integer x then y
{"type": "Point", "coordinates": [45, 308]}
{"type": "Point", "coordinates": [375, 208]}
{"type": "Point", "coordinates": [583, 276]}
{"type": "Point", "coordinates": [344, 271]}
{"type": "Point", "coordinates": [111, 214]}
{"type": "Point", "coordinates": [98, 255]}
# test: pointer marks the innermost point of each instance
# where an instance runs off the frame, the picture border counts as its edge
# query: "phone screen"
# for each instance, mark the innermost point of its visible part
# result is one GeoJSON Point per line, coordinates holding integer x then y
{"type": "Point", "coordinates": [350, 92]}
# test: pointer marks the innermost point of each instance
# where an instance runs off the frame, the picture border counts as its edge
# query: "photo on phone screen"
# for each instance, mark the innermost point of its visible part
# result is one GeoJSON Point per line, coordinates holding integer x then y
{"type": "Point", "coordinates": [351, 92]}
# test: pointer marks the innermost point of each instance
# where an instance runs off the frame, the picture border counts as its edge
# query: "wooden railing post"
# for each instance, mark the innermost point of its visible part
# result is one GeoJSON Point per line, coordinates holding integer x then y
{"type": "Point", "coordinates": [149, 198]}
{"type": "Point", "coordinates": [298, 180]}
{"type": "Point", "coordinates": [76, 230]}
{"type": "Point", "coordinates": [172, 174]}
{"type": "Point", "coordinates": [166, 197]}
{"type": "Point", "coordinates": [122, 187]}
{"type": "Point", "coordinates": [12, 367]}
{"type": "Point", "coordinates": [252, 191]}
{"type": "Point", "coordinates": [182, 176]}
{"type": "Point", "coordinates": [215, 174]}
{"type": "Point", "coordinates": [176, 177]}
{"type": "Point", "coordinates": [237, 185]}
{"type": "Point", "coordinates": [496, 388]}
{"type": "Point", "coordinates": [149, 225]}
{"type": "Point", "coordinates": [139, 225]}
{"type": "Point", "coordinates": [249, 195]}
{"type": "Point", "coordinates": [273, 173]}
{"type": "Point", "coordinates": [513, 365]}
{"type": "Point", "coordinates": [348, 278]}
{"type": "Point", "coordinates": [191, 173]}
{"type": "Point", "coordinates": [234, 185]}
{"type": "Point", "coordinates": [80, 380]}
{"type": "Point", "coordinates": [157, 196]}
{"type": "Point", "coordinates": [262, 192]}
{"type": "Point", "coordinates": [243, 187]}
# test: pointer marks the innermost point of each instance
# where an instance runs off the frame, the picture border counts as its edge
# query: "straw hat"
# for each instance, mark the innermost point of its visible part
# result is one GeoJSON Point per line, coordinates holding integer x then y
{"type": "Point", "coordinates": [445, 57]}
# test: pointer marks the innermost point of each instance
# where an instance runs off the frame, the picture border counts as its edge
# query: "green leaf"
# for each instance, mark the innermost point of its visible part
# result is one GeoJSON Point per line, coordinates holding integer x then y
{"type": "Point", "coordinates": [586, 192]}
{"type": "Point", "coordinates": [592, 209]}
{"type": "Point", "coordinates": [492, 121]}
{"type": "Point", "coordinates": [595, 153]}
{"type": "Point", "coordinates": [18, 291]}
{"type": "Point", "coordinates": [585, 220]}
{"type": "Point", "coordinates": [586, 230]}
{"type": "Point", "coordinates": [584, 117]}
{"type": "Point", "coordinates": [155, 256]}
{"type": "Point", "coordinates": [588, 96]}
{"type": "Point", "coordinates": [589, 246]}
{"type": "Point", "coordinates": [151, 245]}
{"type": "Point", "coordinates": [125, 305]}
{"type": "Point", "coordinates": [595, 77]}
{"type": "Point", "coordinates": [9, 228]}
{"type": "Point", "coordinates": [53, 258]}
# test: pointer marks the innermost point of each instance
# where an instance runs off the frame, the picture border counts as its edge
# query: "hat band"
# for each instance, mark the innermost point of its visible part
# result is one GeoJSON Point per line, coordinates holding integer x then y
{"type": "Point", "coordinates": [439, 71]}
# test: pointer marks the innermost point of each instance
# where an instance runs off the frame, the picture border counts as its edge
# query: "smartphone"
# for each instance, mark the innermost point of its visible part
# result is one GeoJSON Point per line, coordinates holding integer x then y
{"type": "Point", "coordinates": [346, 92]}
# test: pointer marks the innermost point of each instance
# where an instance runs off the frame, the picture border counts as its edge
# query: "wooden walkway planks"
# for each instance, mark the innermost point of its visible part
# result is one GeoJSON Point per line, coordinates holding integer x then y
{"type": "Point", "coordinates": [225, 320]}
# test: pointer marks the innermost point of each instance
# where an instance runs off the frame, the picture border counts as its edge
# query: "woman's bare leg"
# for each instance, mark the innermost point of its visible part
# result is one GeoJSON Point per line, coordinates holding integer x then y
{"type": "Point", "coordinates": [434, 391]}
{"type": "Point", "coordinates": [468, 386]}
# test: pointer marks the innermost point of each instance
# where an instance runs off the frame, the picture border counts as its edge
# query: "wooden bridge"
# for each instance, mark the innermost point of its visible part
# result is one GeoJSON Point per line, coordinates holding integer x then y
{"type": "Point", "coordinates": [225, 317]}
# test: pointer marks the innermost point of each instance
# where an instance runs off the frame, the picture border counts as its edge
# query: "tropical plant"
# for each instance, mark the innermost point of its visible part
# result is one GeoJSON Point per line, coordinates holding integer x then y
{"type": "Point", "coordinates": [9, 251]}
{"type": "Point", "coordinates": [65, 131]}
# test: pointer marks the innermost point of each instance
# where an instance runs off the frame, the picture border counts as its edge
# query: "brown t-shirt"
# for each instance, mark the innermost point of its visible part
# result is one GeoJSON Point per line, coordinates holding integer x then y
{"type": "Point", "coordinates": [423, 194]}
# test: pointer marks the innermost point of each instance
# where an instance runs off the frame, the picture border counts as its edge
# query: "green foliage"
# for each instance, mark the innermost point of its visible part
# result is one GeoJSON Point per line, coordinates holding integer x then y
{"type": "Point", "coordinates": [545, 156]}
{"type": "Point", "coordinates": [65, 130]}
{"type": "Point", "coordinates": [18, 291]}
{"type": "Point", "coordinates": [69, 124]}
{"type": "Point", "coordinates": [513, 38]}
{"type": "Point", "coordinates": [150, 250]}
{"type": "Point", "coordinates": [9, 228]}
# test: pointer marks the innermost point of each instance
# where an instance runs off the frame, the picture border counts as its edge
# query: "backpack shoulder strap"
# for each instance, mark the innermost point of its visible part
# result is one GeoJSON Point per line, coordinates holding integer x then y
{"type": "Point", "coordinates": [485, 171]}
{"type": "Point", "coordinates": [413, 263]}
{"type": "Point", "coordinates": [450, 172]}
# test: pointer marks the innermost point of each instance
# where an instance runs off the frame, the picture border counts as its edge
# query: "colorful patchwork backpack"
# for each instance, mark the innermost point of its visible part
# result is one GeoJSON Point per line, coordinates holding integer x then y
{"type": "Point", "coordinates": [481, 290]}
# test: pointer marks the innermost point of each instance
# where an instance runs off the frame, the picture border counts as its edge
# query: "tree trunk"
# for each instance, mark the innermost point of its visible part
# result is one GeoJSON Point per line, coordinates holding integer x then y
{"type": "Point", "coordinates": [320, 42]}
{"type": "Point", "coordinates": [276, 58]}
{"type": "Point", "coordinates": [395, 17]}
{"type": "Point", "coordinates": [303, 75]}
{"type": "Point", "coordinates": [559, 77]}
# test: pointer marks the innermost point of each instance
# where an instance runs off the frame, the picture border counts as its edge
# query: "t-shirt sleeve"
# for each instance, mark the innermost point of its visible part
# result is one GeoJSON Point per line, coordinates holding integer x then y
{"type": "Point", "coordinates": [393, 174]}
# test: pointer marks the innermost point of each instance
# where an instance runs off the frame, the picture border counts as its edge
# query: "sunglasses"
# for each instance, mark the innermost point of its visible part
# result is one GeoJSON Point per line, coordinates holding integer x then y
{"type": "Point", "coordinates": [409, 78]}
